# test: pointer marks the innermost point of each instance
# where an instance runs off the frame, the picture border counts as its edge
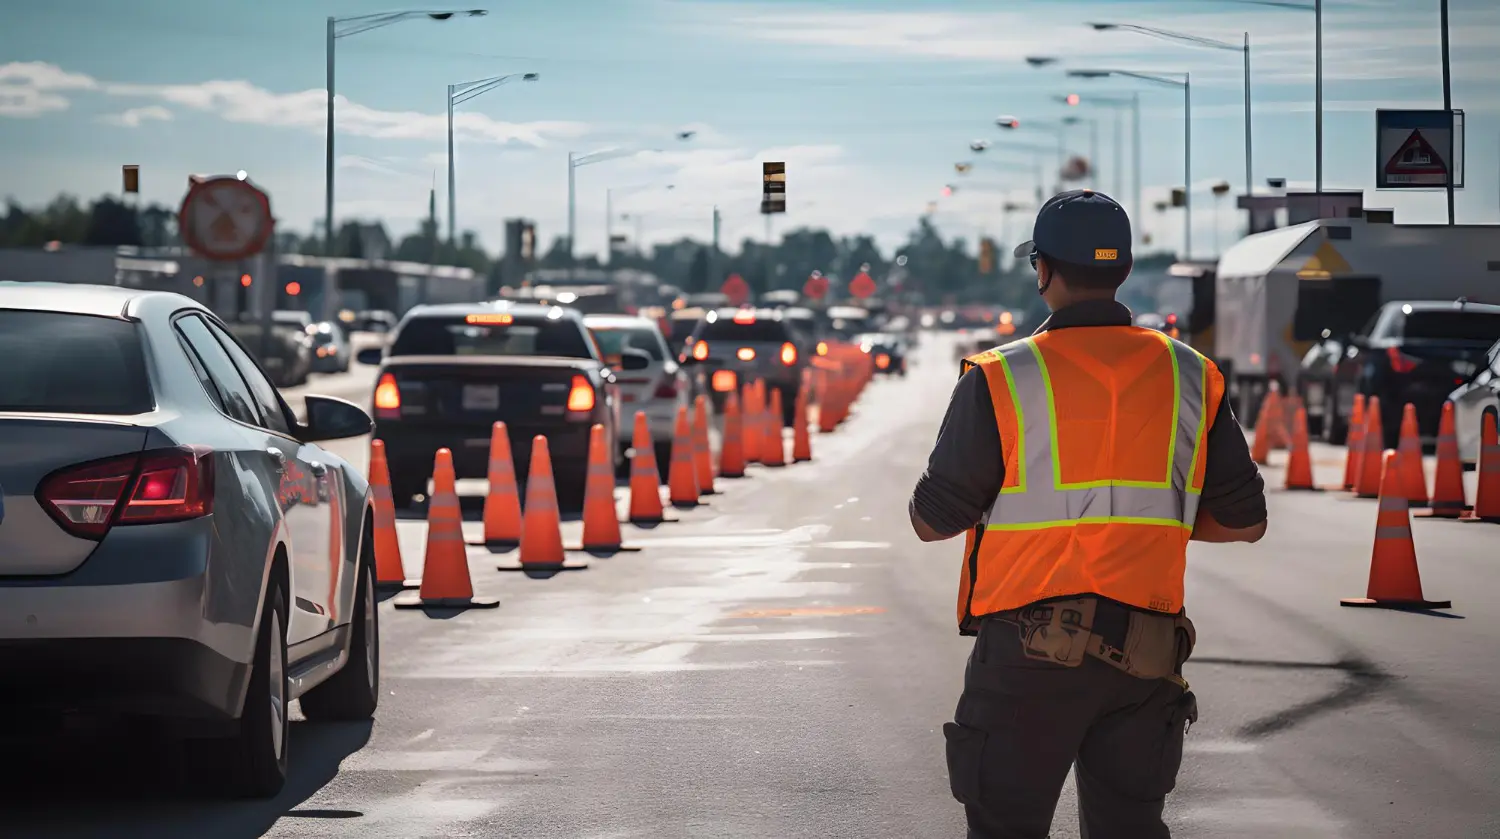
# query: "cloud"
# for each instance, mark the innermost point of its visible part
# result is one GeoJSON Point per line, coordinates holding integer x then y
{"type": "Point", "coordinates": [242, 102]}
{"type": "Point", "coordinates": [32, 88]}
{"type": "Point", "coordinates": [134, 117]}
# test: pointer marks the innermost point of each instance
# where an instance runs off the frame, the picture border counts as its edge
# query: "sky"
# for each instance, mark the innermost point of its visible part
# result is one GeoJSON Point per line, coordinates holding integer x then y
{"type": "Point", "coordinates": [869, 102]}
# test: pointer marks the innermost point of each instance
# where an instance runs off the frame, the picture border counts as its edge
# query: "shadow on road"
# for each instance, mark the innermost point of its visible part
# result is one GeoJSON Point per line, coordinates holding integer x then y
{"type": "Point", "coordinates": [124, 788]}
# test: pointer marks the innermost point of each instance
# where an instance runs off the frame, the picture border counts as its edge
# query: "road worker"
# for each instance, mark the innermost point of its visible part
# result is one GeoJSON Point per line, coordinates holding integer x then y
{"type": "Point", "coordinates": [1078, 463]}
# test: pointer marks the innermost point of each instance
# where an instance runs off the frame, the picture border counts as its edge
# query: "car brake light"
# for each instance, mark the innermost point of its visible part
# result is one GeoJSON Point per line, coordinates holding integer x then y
{"type": "Point", "coordinates": [788, 354]}
{"type": "Point", "coordinates": [744, 317]}
{"type": "Point", "coordinates": [581, 397]}
{"type": "Point", "coordinates": [387, 397]}
{"type": "Point", "coordinates": [882, 361]}
{"type": "Point", "coordinates": [724, 381]}
{"type": "Point", "coordinates": [157, 486]}
{"type": "Point", "coordinates": [745, 354]}
{"type": "Point", "coordinates": [1400, 362]}
{"type": "Point", "coordinates": [667, 389]}
{"type": "Point", "coordinates": [700, 350]}
{"type": "Point", "coordinates": [822, 348]}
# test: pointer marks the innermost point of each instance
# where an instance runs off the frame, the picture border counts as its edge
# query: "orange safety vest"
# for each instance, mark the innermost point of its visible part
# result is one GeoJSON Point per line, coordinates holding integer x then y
{"type": "Point", "coordinates": [1103, 432]}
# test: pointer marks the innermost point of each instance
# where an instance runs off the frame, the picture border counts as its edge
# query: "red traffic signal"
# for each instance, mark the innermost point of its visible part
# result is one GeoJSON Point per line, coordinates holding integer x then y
{"type": "Point", "coordinates": [736, 289]}
{"type": "Point", "coordinates": [862, 285]}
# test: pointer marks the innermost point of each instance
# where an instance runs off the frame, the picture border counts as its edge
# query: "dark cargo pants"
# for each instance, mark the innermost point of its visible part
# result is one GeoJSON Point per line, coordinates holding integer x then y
{"type": "Point", "coordinates": [1022, 723]}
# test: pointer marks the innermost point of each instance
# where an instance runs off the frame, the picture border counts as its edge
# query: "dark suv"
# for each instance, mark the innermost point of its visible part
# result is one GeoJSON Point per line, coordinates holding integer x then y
{"type": "Point", "coordinates": [735, 346]}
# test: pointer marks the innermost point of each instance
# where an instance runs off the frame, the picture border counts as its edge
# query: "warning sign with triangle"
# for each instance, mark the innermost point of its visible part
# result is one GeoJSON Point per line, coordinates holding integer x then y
{"type": "Point", "coordinates": [1416, 162]}
{"type": "Point", "coordinates": [1325, 262]}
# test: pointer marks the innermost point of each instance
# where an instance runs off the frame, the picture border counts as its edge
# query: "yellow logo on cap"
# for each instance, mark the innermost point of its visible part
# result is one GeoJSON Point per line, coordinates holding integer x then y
{"type": "Point", "coordinates": [1106, 253]}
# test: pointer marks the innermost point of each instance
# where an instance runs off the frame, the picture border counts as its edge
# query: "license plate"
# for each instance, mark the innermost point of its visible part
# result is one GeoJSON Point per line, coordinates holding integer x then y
{"type": "Point", "coordinates": [481, 397]}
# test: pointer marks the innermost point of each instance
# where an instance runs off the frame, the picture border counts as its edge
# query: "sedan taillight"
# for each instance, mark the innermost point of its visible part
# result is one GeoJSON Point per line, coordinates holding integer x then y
{"type": "Point", "coordinates": [581, 395]}
{"type": "Point", "coordinates": [1401, 362]}
{"type": "Point", "coordinates": [387, 398]}
{"type": "Point", "coordinates": [788, 354]}
{"type": "Point", "coordinates": [152, 487]}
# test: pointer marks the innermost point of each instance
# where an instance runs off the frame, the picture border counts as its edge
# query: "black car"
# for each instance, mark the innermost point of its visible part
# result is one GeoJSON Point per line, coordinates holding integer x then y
{"type": "Point", "coordinates": [887, 350]}
{"type": "Point", "coordinates": [1414, 351]}
{"type": "Point", "coordinates": [452, 371]}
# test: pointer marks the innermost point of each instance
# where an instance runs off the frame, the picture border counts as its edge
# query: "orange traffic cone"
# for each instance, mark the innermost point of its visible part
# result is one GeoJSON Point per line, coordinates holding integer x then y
{"type": "Point", "coordinates": [1394, 581]}
{"type": "Point", "coordinates": [1409, 459]}
{"type": "Point", "coordinates": [645, 479]}
{"type": "Point", "coordinates": [1487, 496]}
{"type": "Point", "coordinates": [1448, 497]}
{"type": "Point", "coordinates": [774, 446]}
{"type": "Point", "coordinates": [801, 440]}
{"type": "Point", "coordinates": [827, 419]}
{"type": "Point", "coordinates": [390, 573]}
{"type": "Point", "coordinates": [751, 424]}
{"type": "Point", "coordinates": [541, 526]}
{"type": "Point", "coordinates": [682, 477]}
{"type": "Point", "coordinates": [1368, 485]}
{"type": "Point", "coordinates": [1299, 473]}
{"type": "Point", "coordinates": [703, 455]}
{"type": "Point", "coordinates": [1260, 448]}
{"type": "Point", "coordinates": [445, 569]}
{"type": "Point", "coordinates": [502, 504]}
{"type": "Point", "coordinates": [601, 521]}
{"type": "Point", "coordinates": [1354, 443]}
{"type": "Point", "coordinates": [732, 448]}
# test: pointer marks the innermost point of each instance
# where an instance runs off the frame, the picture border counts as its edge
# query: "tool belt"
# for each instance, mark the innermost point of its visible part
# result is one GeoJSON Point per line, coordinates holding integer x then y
{"type": "Point", "coordinates": [1062, 631]}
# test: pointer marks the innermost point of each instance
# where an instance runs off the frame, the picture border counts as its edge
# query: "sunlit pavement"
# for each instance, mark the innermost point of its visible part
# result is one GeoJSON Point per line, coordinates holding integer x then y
{"type": "Point", "coordinates": [779, 663]}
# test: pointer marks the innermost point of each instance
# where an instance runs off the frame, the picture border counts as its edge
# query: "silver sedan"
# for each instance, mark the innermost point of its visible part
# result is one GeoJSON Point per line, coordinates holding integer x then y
{"type": "Point", "coordinates": [1471, 401]}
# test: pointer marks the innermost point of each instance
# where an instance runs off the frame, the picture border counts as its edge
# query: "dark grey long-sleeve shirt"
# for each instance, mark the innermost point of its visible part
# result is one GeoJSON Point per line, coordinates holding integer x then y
{"type": "Point", "coordinates": [967, 466]}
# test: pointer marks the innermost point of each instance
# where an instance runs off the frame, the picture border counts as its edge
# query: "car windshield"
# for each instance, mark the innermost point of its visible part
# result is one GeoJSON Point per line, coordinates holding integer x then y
{"type": "Point", "coordinates": [455, 335]}
{"type": "Point", "coordinates": [758, 330]}
{"type": "Point", "coordinates": [76, 364]}
{"type": "Point", "coordinates": [1453, 326]}
{"type": "Point", "coordinates": [614, 340]}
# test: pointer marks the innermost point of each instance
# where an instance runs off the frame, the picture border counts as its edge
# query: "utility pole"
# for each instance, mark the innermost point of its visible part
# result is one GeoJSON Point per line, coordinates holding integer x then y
{"type": "Point", "coordinates": [1448, 105]}
{"type": "Point", "coordinates": [713, 253]}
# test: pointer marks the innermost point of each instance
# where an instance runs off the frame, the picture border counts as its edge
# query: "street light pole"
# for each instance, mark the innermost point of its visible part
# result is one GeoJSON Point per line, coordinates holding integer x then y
{"type": "Point", "coordinates": [1318, 95]}
{"type": "Point", "coordinates": [1187, 167]}
{"type": "Point", "coordinates": [1249, 155]}
{"type": "Point", "coordinates": [457, 95]}
{"type": "Point", "coordinates": [1135, 148]}
{"type": "Point", "coordinates": [452, 199]}
{"type": "Point", "coordinates": [328, 150]}
{"type": "Point", "coordinates": [1447, 102]}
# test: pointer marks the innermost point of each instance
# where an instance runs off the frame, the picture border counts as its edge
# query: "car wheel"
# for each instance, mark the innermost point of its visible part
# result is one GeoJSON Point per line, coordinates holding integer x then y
{"type": "Point", "coordinates": [354, 692]}
{"type": "Point", "coordinates": [404, 489]}
{"type": "Point", "coordinates": [252, 763]}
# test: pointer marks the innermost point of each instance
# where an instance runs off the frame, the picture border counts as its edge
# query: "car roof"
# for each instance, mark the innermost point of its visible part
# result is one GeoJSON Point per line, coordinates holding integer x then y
{"type": "Point", "coordinates": [618, 321]}
{"type": "Point", "coordinates": [525, 310]}
{"type": "Point", "coordinates": [1446, 306]}
{"type": "Point", "coordinates": [77, 298]}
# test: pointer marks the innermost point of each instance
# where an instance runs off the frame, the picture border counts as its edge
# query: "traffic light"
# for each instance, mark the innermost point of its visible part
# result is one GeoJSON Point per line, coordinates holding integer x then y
{"type": "Point", "coordinates": [986, 256]}
{"type": "Point", "coordinates": [1179, 197]}
{"type": "Point", "coordinates": [293, 288]}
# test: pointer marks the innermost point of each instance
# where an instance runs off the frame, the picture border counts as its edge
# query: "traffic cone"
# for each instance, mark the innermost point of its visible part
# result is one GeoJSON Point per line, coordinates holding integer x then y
{"type": "Point", "coordinates": [1449, 500]}
{"type": "Point", "coordinates": [541, 526]}
{"type": "Point", "coordinates": [1354, 443]}
{"type": "Point", "coordinates": [682, 478]}
{"type": "Point", "coordinates": [703, 455]}
{"type": "Point", "coordinates": [827, 419]}
{"type": "Point", "coordinates": [1299, 473]}
{"type": "Point", "coordinates": [1487, 496]}
{"type": "Point", "coordinates": [1409, 459]}
{"type": "Point", "coordinates": [445, 568]}
{"type": "Point", "coordinates": [1394, 581]}
{"type": "Point", "coordinates": [773, 448]}
{"type": "Point", "coordinates": [1368, 485]}
{"type": "Point", "coordinates": [390, 573]}
{"type": "Point", "coordinates": [502, 504]}
{"type": "Point", "coordinates": [1260, 447]}
{"type": "Point", "coordinates": [751, 425]}
{"type": "Point", "coordinates": [601, 521]}
{"type": "Point", "coordinates": [801, 440]}
{"type": "Point", "coordinates": [645, 480]}
{"type": "Point", "coordinates": [732, 448]}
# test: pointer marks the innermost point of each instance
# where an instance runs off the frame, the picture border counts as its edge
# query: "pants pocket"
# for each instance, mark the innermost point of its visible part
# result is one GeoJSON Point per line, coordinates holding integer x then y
{"type": "Point", "coordinates": [965, 758]}
{"type": "Point", "coordinates": [1184, 712]}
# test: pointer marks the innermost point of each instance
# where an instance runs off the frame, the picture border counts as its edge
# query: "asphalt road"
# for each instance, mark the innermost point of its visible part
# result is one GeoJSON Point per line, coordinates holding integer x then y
{"type": "Point", "coordinates": [779, 664]}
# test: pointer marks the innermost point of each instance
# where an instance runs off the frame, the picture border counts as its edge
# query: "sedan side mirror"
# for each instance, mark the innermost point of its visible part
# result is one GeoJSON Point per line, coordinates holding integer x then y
{"type": "Point", "coordinates": [369, 356]}
{"type": "Point", "coordinates": [334, 419]}
{"type": "Point", "coordinates": [634, 360]}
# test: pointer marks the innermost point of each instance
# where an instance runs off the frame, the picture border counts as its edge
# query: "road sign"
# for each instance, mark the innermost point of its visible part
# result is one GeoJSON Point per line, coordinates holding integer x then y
{"type": "Point", "coordinates": [773, 188]}
{"type": "Point", "coordinates": [862, 285]}
{"type": "Point", "coordinates": [1418, 149]}
{"type": "Point", "coordinates": [816, 287]}
{"type": "Point", "coordinates": [736, 289]}
{"type": "Point", "coordinates": [225, 219]}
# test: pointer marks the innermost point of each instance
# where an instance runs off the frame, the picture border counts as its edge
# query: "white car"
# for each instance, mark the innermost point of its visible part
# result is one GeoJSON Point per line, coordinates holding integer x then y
{"type": "Point", "coordinates": [1472, 401]}
{"type": "Point", "coordinates": [659, 389]}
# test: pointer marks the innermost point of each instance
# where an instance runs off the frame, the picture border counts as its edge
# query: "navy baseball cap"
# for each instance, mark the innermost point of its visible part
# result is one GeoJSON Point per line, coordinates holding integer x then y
{"type": "Point", "coordinates": [1082, 227]}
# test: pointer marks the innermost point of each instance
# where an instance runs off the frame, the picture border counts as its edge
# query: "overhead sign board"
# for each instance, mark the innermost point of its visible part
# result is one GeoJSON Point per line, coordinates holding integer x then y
{"type": "Point", "coordinates": [225, 219]}
{"type": "Point", "coordinates": [773, 188]}
{"type": "Point", "coordinates": [1419, 149]}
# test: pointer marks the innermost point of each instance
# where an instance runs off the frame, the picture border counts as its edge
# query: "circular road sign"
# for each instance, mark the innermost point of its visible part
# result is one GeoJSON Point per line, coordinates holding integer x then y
{"type": "Point", "coordinates": [225, 219]}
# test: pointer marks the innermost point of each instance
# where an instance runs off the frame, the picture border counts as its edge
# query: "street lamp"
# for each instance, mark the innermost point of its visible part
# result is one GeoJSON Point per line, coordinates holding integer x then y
{"type": "Point", "coordinates": [576, 160]}
{"type": "Point", "coordinates": [1059, 130]}
{"type": "Point", "coordinates": [457, 95]}
{"type": "Point", "coordinates": [1186, 83]}
{"type": "Point", "coordinates": [344, 27]}
{"type": "Point", "coordinates": [1120, 104]}
{"type": "Point", "coordinates": [1210, 43]}
{"type": "Point", "coordinates": [979, 146]}
{"type": "Point", "coordinates": [609, 213]}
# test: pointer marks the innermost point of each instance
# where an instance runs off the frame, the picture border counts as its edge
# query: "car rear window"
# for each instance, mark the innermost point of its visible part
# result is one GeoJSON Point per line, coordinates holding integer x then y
{"type": "Point", "coordinates": [1453, 326]}
{"type": "Point", "coordinates": [456, 336]}
{"type": "Point", "coordinates": [727, 329]}
{"type": "Point", "coordinates": [76, 364]}
{"type": "Point", "coordinates": [615, 340]}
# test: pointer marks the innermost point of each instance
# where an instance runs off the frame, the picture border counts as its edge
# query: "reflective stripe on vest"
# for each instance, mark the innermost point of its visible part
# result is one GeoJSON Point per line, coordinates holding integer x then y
{"type": "Point", "coordinates": [1039, 499]}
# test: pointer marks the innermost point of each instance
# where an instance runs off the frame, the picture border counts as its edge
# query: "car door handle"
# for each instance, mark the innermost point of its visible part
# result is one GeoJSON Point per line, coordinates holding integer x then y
{"type": "Point", "coordinates": [317, 469]}
{"type": "Point", "coordinates": [279, 456]}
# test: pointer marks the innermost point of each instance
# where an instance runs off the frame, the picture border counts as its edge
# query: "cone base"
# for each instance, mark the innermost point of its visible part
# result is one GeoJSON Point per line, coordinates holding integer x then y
{"type": "Point", "coordinates": [1367, 603]}
{"type": "Point", "coordinates": [397, 585]}
{"type": "Point", "coordinates": [802, 460]}
{"type": "Point", "coordinates": [416, 602]}
{"type": "Point", "coordinates": [602, 549]}
{"type": "Point", "coordinates": [731, 474]}
{"type": "Point", "coordinates": [1303, 489]}
{"type": "Point", "coordinates": [773, 465]}
{"type": "Point", "coordinates": [1470, 518]}
{"type": "Point", "coordinates": [1443, 513]}
{"type": "Point", "coordinates": [495, 544]}
{"type": "Point", "coordinates": [575, 563]}
{"type": "Point", "coordinates": [651, 520]}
